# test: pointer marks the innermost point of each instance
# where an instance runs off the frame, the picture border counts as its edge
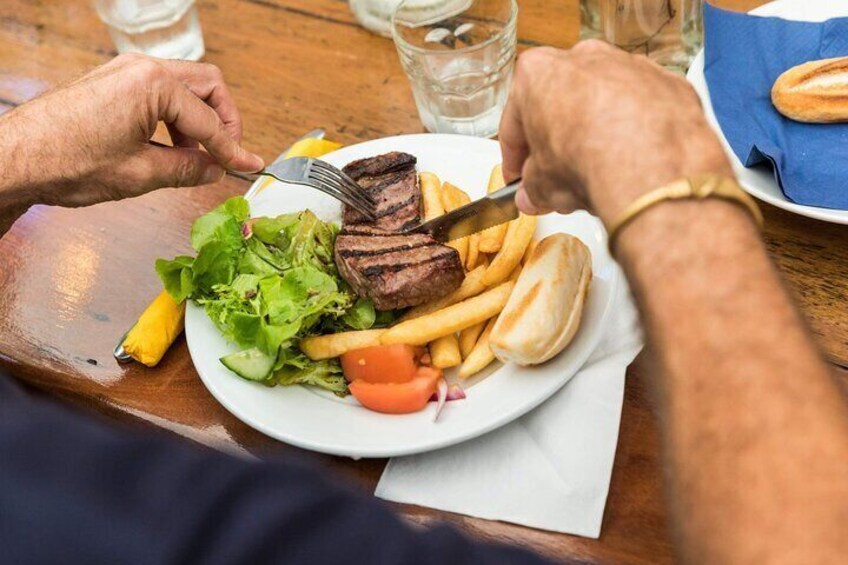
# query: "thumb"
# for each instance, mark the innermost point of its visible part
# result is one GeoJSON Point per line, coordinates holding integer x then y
{"type": "Point", "coordinates": [177, 166]}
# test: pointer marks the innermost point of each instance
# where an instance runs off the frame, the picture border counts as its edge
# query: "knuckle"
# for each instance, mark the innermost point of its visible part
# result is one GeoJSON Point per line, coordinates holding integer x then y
{"type": "Point", "coordinates": [187, 172]}
{"type": "Point", "coordinates": [214, 71]}
{"type": "Point", "coordinates": [591, 46]}
{"type": "Point", "coordinates": [128, 58]}
{"type": "Point", "coordinates": [148, 70]}
{"type": "Point", "coordinates": [537, 56]}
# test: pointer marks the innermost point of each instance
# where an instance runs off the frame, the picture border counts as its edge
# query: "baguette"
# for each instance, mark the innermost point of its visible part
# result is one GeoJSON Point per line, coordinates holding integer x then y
{"type": "Point", "coordinates": [543, 312]}
{"type": "Point", "coordinates": [814, 92]}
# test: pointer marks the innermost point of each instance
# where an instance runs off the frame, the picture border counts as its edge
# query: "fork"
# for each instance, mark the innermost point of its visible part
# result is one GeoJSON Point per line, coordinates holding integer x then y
{"type": "Point", "coordinates": [316, 174]}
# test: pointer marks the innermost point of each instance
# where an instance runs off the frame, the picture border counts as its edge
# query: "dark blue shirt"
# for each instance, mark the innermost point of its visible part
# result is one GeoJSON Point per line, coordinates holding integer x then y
{"type": "Point", "coordinates": [76, 490]}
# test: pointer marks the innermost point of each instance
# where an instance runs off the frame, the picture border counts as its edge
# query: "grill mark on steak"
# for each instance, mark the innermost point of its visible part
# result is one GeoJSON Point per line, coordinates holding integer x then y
{"type": "Point", "coordinates": [380, 165]}
{"type": "Point", "coordinates": [395, 207]}
{"type": "Point", "coordinates": [395, 270]}
{"type": "Point", "coordinates": [348, 253]}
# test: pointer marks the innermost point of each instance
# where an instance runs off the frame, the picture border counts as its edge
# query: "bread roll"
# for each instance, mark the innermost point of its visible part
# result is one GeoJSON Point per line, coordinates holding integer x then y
{"type": "Point", "coordinates": [544, 310]}
{"type": "Point", "coordinates": [815, 92]}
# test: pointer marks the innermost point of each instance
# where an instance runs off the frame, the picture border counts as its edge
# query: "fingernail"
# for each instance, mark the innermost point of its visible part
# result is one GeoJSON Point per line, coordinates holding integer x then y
{"type": "Point", "coordinates": [247, 162]}
{"type": "Point", "coordinates": [212, 173]}
{"type": "Point", "coordinates": [258, 162]}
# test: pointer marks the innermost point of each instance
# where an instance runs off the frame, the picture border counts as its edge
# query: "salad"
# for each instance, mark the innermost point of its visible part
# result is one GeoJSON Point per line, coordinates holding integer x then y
{"type": "Point", "coordinates": [267, 283]}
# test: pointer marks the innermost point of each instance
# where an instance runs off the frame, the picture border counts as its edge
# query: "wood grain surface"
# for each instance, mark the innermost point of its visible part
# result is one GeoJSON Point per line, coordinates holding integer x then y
{"type": "Point", "coordinates": [72, 281]}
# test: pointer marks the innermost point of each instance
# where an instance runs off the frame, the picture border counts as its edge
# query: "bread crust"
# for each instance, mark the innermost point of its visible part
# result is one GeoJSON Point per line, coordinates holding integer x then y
{"type": "Point", "coordinates": [814, 92]}
{"type": "Point", "coordinates": [544, 310]}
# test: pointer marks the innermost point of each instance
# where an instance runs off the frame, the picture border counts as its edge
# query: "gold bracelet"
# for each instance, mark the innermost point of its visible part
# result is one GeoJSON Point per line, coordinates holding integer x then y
{"type": "Point", "coordinates": [694, 188]}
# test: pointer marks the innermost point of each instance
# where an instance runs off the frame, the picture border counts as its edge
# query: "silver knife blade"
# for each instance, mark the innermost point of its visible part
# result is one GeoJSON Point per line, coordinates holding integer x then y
{"type": "Point", "coordinates": [494, 209]}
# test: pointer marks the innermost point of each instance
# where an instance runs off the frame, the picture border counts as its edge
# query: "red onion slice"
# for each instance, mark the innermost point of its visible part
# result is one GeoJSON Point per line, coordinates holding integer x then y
{"type": "Point", "coordinates": [455, 392]}
{"type": "Point", "coordinates": [441, 395]}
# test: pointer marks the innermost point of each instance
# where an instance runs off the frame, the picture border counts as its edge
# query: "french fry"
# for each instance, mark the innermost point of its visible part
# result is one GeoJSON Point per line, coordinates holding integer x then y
{"type": "Point", "coordinates": [468, 338]}
{"type": "Point", "coordinates": [471, 286]}
{"type": "Point", "coordinates": [444, 352]}
{"type": "Point", "coordinates": [333, 345]}
{"type": "Point", "coordinates": [492, 239]}
{"type": "Point", "coordinates": [473, 251]}
{"type": "Point", "coordinates": [451, 319]}
{"type": "Point", "coordinates": [481, 355]}
{"type": "Point", "coordinates": [529, 252]}
{"type": "Point", "coordinates": [516, 272]}
{"type": "Point", "coordinates": [431, 195]}
{"type": "Point", "coordinates": [453, 198]}
{"type": "Point", "coordinates": [518, 236]}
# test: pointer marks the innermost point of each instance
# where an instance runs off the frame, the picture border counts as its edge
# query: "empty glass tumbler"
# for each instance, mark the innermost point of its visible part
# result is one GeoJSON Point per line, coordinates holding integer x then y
{"type": "Point", "coordinates": [459, 60]}
{"type": "Point", "coordinates": [376, 15]}
{"type": "Point", "coordinates": [168, 29]}
{"type": "Point", "coordinates": [670, 32]}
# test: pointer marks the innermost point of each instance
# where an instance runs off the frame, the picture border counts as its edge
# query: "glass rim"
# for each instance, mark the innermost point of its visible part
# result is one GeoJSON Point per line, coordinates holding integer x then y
{"type": "Point", "coordinates": [402, 43]}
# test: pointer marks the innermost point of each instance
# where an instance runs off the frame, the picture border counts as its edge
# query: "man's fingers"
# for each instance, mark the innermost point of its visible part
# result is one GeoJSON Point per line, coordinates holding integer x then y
{"type": "Point", "coordinates": [189, 115]}
{"type": "Point", "coordinates": [206, 81]}
{"type": "Point", "coordinates": [180, 140]}
{"type": "Point", "coordinates": [522, 200]}
{"type": "Point", "coordinates": [514, 147]}
{"type": "Point", "coordinates": [175, 167]}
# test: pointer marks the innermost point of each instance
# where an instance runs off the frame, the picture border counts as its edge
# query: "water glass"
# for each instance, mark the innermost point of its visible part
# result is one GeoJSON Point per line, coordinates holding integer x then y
{"type": "Point", "coordinates": [168, 29]}
{"type": "Point", "coordinates": [459, 60]}
{"type": "Point", "coordinates": [670, 32]}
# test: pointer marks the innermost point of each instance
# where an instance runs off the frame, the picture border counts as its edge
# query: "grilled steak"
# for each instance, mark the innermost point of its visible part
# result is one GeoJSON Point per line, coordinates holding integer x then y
{"type": "Point", "coordinates": [395, 270]}
{"type": "Point", "coordinates": [392, 182]}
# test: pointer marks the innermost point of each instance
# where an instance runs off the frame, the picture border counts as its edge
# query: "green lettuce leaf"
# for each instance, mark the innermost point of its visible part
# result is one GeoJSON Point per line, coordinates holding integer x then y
{"type": "Point", "coordinates": [361, 315]}
{"type": "Point", "coordinates": [215, 265]}
{"type": "Point", "coordinates": [325, 374]}
{"type": "Point", "coordinates": [270, 289]}
{"type": "Point", "coordinates": [273, 231]}
{"type": "Point", "coordinates": [177, 276]}
{"type": "Point", "coordinates": [222, 225]}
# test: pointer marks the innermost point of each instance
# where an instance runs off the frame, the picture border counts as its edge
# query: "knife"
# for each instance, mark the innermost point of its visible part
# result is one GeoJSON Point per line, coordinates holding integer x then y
{"type": "Point", "coordinates": [119, 353]}
{"type": "Point", "coordinates": [491, 210]}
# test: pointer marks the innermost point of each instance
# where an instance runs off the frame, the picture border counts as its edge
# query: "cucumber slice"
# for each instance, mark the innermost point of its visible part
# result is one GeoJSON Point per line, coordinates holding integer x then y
{"type": "Point", "coordinates": [250, 364]}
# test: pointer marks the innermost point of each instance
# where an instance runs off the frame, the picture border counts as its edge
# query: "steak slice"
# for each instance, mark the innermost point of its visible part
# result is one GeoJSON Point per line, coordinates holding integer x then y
{"type": "Point", "coordinates": [394, 270]}
{"type": "Point", "coordinates": [392, 181]}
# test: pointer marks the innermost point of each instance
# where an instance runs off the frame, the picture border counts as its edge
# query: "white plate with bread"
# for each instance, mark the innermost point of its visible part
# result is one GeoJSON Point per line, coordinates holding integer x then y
{"type": "Point", "coordinates": [759, 181]}
{"type": "Point", "coordinates": [319, 421]}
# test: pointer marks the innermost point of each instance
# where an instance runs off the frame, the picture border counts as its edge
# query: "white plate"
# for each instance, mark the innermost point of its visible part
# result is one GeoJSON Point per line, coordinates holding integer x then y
{"type": "Point", "coordinates": [322, 422]}
{"type": "Point", "coordinates": [760, 181]}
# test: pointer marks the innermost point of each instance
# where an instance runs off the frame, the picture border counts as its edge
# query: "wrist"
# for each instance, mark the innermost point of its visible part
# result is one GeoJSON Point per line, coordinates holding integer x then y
{"type": "Point", "coordinates": [671, 237]}
{"type": "Point", "coordinates": [696, 153]}
{"type": "Point", "coordinates": [23, 178]}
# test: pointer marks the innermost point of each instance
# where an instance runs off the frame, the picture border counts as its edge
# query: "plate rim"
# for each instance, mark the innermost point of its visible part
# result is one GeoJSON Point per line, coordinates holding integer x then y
{"type": "Point", "coordinates": [506, 417]}
{"type": "Point", "coordinates": [695, 76]}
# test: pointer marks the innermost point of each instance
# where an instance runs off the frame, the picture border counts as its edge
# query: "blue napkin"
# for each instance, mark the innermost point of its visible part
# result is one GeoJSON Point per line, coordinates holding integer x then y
{"type": "Point", "coordinates": [744, 55]}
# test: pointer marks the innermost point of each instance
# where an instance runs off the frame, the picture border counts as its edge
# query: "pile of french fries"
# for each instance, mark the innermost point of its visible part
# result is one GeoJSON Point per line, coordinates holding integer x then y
{"type": "Point", "coordinates": [455, 327]}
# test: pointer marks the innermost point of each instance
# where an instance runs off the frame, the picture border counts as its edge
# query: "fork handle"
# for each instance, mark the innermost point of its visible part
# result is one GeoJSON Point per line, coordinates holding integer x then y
{"type": "Point", "coordinates": [249, 177]}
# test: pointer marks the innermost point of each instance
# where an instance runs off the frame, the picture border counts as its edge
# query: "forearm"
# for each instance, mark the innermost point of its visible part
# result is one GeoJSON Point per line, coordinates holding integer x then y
{"type": "Point", "coordinates": [753, 416]}
{"type": "Point", "coordinates": [17, 183]}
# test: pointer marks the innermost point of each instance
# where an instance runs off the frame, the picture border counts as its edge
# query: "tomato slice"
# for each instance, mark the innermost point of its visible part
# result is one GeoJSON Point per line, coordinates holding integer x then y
{"type": "Point", "coordinates": [382, 363]}
{"type": "Point", "coordinates": [398, 398]}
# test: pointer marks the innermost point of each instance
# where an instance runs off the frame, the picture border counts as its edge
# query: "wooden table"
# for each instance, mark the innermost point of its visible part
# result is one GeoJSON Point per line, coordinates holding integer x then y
{"type": "Point", "coordinates": [71, 281]}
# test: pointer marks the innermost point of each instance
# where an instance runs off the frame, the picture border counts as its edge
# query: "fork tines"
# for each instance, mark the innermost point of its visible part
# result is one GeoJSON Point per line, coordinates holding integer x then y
{"type": "Point", "coordinates": [342, 187]}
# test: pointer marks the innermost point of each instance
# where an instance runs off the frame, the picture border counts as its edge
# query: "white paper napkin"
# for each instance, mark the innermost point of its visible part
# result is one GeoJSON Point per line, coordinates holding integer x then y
{"type": "Point", "coordinates": [551, 468]}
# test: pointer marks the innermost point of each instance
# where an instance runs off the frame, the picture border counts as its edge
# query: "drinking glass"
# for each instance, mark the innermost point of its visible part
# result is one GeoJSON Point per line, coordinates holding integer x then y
{"type": "Point", "coordinates": [459, 61]}
{"type": "Point", "coordinates": [670, 32]}
{"type": "Point", "coordinates": [376, 15]}
{"type": "Point", "coordinates": [168, 29]}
